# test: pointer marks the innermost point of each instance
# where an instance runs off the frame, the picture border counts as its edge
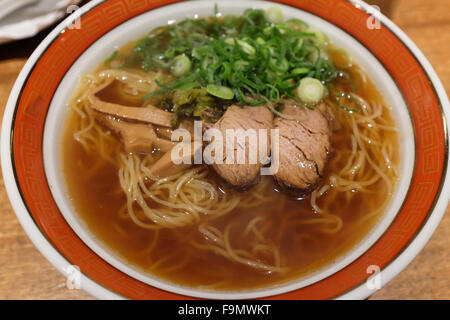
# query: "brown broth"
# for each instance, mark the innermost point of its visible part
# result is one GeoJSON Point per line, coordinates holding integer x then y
{"type": "Point", "coordinates": [96, 196]}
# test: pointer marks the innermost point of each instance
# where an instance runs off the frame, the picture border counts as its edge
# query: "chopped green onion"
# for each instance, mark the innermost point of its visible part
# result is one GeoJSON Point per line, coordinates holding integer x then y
{"type": "Point", "coordinates": [240, 64]}
{"type": "Point", "coordinates": [267, 30]}
{"type": "Point", "coordinates": [313, 54]}
{"type": "Point", "coordinates": [282, 28]}
{"type": "Point", "coordinates": [161, 61]}
{"type": "Point", "coordinates": [298, 71]}
{"type": "Point", "coordinates": [247, 48]}
{"type": "Point", "coordinates": [310, 91]}
{"type": "Point", "coordinates": [282, 66]}
{"type": "Point", "coordinates": [181, 65]}
{"type": "Point", "coordinates": [248, 59]}
{"type": "Point", "coordinates": [260, 41]}
{"type": "Point", "coordinates": [341, 95]}
{"type": "Point", "coordinates": [220, 91]}
{"type": "Point", "coordinates": [110, 58]}
{"type": "Point", "coordinates": [116, 60]}
{"type": "Point", "coordinates": [297, 25]}
{"type": "Point", "coordinates": [229, 41]}
{"type": "Point", "coordinates": [216, 10]}
{"type": "Point", "coordinates": [320, 38]}
{"type": "Point", "coordinates": [189, 85]}
{"type": "Point", "coordinates": [274, 14]}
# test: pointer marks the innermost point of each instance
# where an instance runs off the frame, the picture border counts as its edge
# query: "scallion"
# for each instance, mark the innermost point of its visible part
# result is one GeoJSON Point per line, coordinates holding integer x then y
{"type": "Point", "coordinates": [247, 48]}
{"type": "Point", "coordinates": [310, 91]}
{"type": "Point", "coordinates": [249, 59]}
{"type": "Point", "coordinates": [274, 14]}
{"type": "Point", "coordinates": [220, 91]}
{"type": "Point", "coordinates": [298, 71]}
{"type": "Point", "coordinates": [181, 65]}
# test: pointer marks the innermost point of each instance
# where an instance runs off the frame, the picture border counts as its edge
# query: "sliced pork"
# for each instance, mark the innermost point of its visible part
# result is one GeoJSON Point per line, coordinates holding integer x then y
{"type": "Point", "coordinates": [304, 145]}
{"type": "Point", "coordinates": [242, 174]}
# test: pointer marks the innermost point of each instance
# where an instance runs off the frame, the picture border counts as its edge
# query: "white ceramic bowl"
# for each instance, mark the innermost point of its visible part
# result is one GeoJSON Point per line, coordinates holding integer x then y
{"type": "Point", "coordinates": [35, 117]}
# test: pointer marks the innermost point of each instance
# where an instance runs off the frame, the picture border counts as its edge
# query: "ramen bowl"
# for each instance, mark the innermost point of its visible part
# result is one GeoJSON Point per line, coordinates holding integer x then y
{"type": "Point", "coordinates": [34, 120]}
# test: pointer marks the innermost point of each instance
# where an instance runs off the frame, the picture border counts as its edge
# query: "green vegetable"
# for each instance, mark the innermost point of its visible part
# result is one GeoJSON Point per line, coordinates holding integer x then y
{"type": "Point", "coordinates": [115, 60]}
{"type": "Point", "coordinates": [310, 91]}
{"type": "Point", "coordinates": [181, 65]}
{"type": "Point", "coordinates": [257, 57]}
{"type": "Point", "coordinates": [260, 41]}
{"type": "Point", "coordinates": [248, 49]}
{"type": "Point", "coordinates": [302, 70]}
{"type": "Point", "coordinates": [320, 38]}
{"type": "Point", "coordinates": [241, 64]}
{"type": "Point", "coordinates": [280, 66]}
{"type": "Point", "coordinates": [220, 91]}
{"type": "Point", "coordinates": [192, 103]}
{"type": "Point", "coordinates": [189, 85]}
{"type": "Point", "coordinates": [353, 104]}
{"type": "Point", "coordinates": [110, 58]}
{"type": "Point", "coordinates": [274, 15]}
{"type": "Point", "coordinates": [297, 24]}
{"type": "Point", "coordinates": [230, 41]}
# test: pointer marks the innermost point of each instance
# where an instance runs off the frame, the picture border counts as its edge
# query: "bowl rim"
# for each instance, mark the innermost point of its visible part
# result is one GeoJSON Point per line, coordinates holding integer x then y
{"type": "Point", "coordinates": [47, 248]}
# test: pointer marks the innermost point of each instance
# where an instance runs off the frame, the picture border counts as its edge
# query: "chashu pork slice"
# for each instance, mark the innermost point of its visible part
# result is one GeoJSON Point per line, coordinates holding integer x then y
{"type": "Point", "coordinates": [304, 145]}
{"type": "Point", "coordinates": [244, 174]}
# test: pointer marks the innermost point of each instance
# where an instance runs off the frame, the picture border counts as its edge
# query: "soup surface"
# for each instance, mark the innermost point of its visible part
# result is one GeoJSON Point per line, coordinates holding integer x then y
{"type": "Point", "coordinates": [270, 237]}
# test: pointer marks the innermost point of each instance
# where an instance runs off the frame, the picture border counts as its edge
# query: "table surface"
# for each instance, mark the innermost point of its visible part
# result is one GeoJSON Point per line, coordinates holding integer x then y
{"type": "Point", "coordinates": [26, 274]}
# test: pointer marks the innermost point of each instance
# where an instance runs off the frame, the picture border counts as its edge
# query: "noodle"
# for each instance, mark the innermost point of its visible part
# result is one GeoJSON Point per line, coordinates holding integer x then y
{"type": "Point", "coordinates": [223, 247]}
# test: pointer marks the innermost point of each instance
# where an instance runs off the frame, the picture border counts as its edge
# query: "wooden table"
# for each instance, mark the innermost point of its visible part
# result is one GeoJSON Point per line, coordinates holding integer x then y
{"type": "Point", "coordinates": [26, 274]}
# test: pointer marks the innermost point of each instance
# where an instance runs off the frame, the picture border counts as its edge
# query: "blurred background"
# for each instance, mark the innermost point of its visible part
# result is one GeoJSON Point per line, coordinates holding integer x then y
{"type": "Point", "coordinates": [26, 274]}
